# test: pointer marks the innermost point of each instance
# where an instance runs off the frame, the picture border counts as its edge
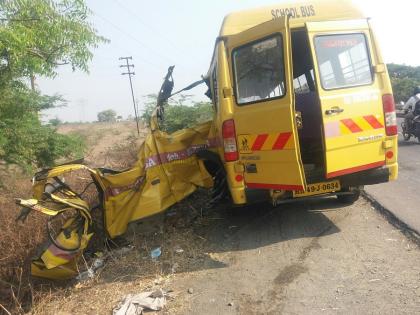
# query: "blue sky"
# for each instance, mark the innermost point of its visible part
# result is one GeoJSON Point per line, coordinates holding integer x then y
{"type": "Point", "coordinates": [161, 33]}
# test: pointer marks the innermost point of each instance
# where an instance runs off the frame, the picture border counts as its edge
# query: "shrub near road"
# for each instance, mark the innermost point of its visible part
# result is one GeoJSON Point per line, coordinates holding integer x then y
{"type": "Point", "coordinates": [36, 36]}
{"type": "Point", "coordinates": [181, 112]}
{"type": "Point", "coordinates": [33, 43]}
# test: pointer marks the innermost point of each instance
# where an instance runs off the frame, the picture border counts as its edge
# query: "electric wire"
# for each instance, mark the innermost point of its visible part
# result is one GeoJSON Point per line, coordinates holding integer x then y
{"type": "Point", "coordinates": [137, 41]}
{"type": "Point", "coordinates": [160, 34]}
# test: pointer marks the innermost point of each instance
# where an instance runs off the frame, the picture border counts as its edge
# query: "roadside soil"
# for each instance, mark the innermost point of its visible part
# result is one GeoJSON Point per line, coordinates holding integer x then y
{"type": "Point", "coordinates": [108, 144]}
{"type": "Point", "coordinates": [302, 258]}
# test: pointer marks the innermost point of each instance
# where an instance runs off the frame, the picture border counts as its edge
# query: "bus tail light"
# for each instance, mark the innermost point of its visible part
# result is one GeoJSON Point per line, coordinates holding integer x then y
{"type": "Point", "coordinates": [229, 141]}
{"type": "Point", "coordinates": [390, 115]}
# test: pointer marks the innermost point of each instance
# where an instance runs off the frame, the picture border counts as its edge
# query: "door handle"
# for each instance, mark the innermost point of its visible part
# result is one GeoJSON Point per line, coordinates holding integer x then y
{"type": "Point", "coordinates": [334, 110]}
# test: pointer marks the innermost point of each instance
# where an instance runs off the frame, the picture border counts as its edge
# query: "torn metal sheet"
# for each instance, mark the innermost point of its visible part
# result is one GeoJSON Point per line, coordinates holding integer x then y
{"type": "Point", "coordinates": [167, 171]}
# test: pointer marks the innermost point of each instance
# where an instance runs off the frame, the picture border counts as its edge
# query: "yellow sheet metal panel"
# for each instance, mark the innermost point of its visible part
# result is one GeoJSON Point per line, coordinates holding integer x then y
{"type": "Point", "coordinates": [62, 272]}
{"type": "Point", "coordinates": [299, 12]}
{"type": "Point", "coordinates": [167, 171]}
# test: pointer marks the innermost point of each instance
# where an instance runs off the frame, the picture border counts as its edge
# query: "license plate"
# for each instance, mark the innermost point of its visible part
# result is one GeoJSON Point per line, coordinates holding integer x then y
{"type": "Point", "coordinates": [318, 188]}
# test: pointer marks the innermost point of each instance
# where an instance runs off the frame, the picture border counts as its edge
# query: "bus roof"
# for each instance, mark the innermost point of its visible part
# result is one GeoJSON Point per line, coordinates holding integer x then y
{"type": "Point", "coordinates": [299, 12]}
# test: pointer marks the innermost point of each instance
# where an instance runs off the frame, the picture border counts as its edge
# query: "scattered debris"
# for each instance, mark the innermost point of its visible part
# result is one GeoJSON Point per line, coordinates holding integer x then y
{"type": "Point", "coordinates": [155, 253]}
{"type": "Point", "coordinates": [98, 263]}
{"type": "Point", "coordinates": [135, 304]}
{"type": "Point", "coordinates": [175, 266]}
{"type": "Point", "coordinates": [85, 275]}
{"type": "Point", "coordinates": [171, 213]}
{"type": "Point", "coordinates": [374, 280]}
{"type": "Point", "coordinates": [123, 250]}
{"type": "Point", "coordinates": [178, 250]}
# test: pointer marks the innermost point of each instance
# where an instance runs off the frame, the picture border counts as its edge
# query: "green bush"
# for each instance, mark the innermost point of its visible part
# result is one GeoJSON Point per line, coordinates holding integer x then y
{"type": "Point", "coordinates": [23, 138]}
{"type": "Point", "coordinates": [36, 37]}
{"type": "Point", "coordinates": [177, 114]}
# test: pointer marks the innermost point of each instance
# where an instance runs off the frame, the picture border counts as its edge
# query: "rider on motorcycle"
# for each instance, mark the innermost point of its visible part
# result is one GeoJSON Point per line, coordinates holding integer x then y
{"type": "Point", "coordinates": [412, 107]}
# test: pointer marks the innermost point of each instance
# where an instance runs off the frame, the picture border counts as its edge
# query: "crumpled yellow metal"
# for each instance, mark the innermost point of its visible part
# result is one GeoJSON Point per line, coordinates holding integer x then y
{"type": "Point", "coordinates": [167, 171]}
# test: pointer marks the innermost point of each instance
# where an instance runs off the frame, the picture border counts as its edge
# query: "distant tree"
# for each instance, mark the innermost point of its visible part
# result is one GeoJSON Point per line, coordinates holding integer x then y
{"type": "Point", "coordinates": [404, 79]}
{"type": "Point", "coordinates": [55, 122]}
{"type": "Point", "coordinates": [37, 36]}
{"type": "Point", "coordinates": [108, 115]}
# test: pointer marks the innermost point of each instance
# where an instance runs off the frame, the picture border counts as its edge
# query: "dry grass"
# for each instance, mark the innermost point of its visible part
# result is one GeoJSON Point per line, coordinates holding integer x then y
{"type": "Point", "coordinates": [135, 271]}
{"type": "Point", "coordinates": [18, 243]}
{"type": "Point", "coordinates": [113, 146]}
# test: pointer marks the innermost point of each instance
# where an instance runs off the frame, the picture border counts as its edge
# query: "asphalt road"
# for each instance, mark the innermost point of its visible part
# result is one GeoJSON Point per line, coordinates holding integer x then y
{"type": "Point", "coordinates": [316, 257]}
{"type": "Point", "coordinates": [402, 197]}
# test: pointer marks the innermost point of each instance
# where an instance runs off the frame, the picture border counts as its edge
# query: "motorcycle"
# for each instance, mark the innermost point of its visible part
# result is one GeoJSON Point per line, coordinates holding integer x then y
{"type": "Point", "coordinates": [411, 127]}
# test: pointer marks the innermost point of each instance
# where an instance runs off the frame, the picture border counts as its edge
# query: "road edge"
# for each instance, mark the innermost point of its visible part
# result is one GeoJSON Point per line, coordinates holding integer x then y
{"type": "Point", "coordinates": [406, 229]}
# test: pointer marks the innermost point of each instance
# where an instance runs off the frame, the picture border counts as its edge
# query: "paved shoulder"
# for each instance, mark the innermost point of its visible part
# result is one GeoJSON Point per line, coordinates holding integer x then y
{"type": "Point", "coordinates": [402, 197]}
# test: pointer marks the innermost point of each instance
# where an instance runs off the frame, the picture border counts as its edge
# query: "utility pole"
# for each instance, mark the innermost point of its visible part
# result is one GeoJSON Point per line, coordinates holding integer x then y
{"type": "Point", "coordinates": [129, 66]}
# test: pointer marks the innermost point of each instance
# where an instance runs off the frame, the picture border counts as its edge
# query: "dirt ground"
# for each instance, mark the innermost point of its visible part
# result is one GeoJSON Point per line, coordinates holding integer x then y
{"type": "Point", "coordinates": [316, 257]}
{"type": "Point", "coordinates": [107, 142]}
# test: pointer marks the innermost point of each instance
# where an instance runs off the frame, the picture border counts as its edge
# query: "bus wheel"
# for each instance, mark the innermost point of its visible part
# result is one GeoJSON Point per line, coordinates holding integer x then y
{"type": "Point", "coordinates": [350, 198]}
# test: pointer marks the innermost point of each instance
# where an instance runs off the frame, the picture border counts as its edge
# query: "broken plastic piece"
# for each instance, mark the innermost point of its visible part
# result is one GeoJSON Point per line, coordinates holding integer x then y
{"type": "Point", "coordinates": [155, 253]}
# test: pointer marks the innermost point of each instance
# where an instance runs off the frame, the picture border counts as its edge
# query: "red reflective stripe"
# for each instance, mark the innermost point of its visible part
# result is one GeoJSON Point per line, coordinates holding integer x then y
{"type": "Point", "coordinates": [274, 186]}
{"type": "Point", "coordinates": [355, 169]}
{"type": "Point", "coordinates": [351, 125]}
{"type": "Point", "coordinates": [373, 121]}
{"type": "Point", "coordinates": [64, 254]}
{"type": "Point", "coordinates": [281, 140]}
{"type": "Point", "coordinates": [259, 142]}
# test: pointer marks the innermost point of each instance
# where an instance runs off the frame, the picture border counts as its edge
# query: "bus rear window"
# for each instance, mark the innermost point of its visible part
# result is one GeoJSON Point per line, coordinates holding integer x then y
{"type": "Point", "coordinates": [343, 60]}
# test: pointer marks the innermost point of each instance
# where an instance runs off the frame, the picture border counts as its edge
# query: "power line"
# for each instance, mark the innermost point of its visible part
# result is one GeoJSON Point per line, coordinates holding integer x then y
{"type": "Point", "coordinates": [140, 43]}
{"type": "Point", "coordinates": [129, 73]}
{"type": "Point", "coordinates": [139, 20]}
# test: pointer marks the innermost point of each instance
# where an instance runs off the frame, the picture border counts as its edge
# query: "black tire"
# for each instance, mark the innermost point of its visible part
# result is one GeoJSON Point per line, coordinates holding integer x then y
{"type": "Point", "coordinates": [350, 198]}
{"type": "Point", "coordinates": [405, 134]}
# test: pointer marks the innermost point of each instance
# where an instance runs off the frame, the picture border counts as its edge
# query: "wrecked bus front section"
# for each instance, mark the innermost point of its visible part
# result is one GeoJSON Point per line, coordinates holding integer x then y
{"type": "Point", "coordinates": [167, 171]}
{"type": "Point", "coordinates": [306, 98]}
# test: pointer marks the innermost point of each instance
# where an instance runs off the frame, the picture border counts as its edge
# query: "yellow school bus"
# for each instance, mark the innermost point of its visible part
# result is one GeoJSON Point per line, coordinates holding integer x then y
{"type": "Point", "coordinates": [303, 103]}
